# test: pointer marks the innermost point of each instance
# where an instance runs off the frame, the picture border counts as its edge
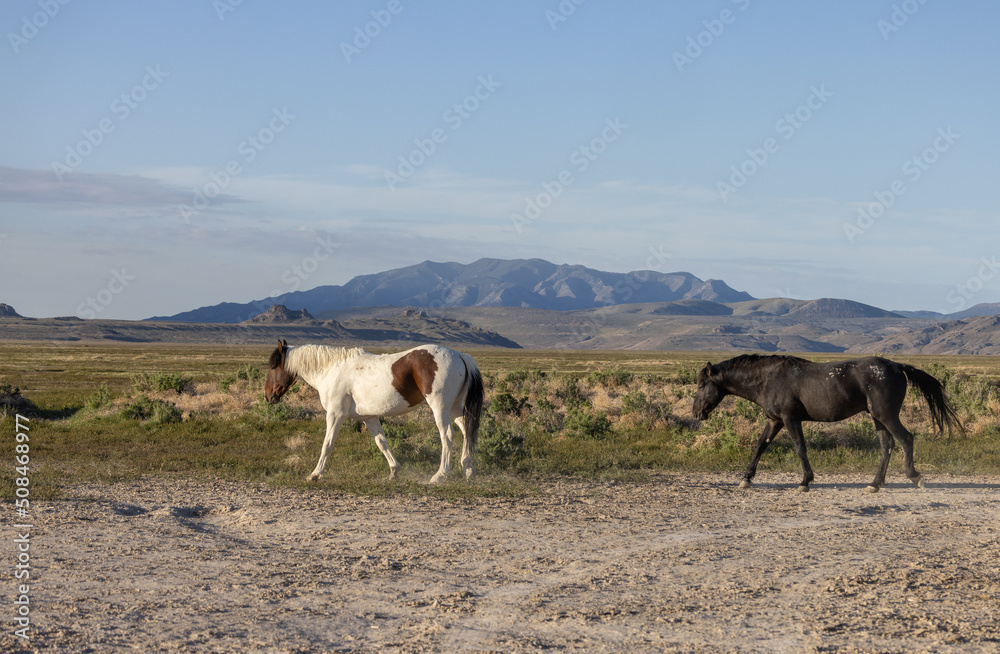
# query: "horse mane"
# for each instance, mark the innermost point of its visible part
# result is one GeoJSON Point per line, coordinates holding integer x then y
{"type": "Point", "coordinates": [309, 358]}
{"type": "Point", "coordinates": [275, 360]}
{"type": "Point", "coordinates": [752, 362]}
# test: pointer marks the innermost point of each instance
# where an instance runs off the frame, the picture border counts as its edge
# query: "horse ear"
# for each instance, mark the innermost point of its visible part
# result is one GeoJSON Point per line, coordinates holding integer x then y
{"type": "Point", "coordinates": [708, 369]}
{"type": "Point", "coordinates": [278, 356]}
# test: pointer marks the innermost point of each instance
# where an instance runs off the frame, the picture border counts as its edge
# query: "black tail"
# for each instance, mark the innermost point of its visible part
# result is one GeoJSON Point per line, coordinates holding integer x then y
{"type": "Point", "coordinates": [942, 413]}
{"type": "Point", "coordinates": [472, 411]}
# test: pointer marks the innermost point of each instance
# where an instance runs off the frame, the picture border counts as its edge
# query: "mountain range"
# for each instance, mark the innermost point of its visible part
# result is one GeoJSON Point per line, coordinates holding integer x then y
{"type": "Point", "coordinates": [526, 283]}
{"type": "Point", "coordinates": [539, 284]}
{"type": "Point", "coordinates": [537, 304]}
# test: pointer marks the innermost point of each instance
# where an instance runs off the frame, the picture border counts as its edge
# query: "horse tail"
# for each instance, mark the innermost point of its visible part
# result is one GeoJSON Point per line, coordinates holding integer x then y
{"type": "Point", "coordinates": [942, 412]}
{"type": "Point", "coordinates": [472, 410]}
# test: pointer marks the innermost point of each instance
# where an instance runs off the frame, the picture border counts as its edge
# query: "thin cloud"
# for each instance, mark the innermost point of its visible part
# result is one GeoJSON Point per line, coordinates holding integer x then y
{"type": "Point", "coordinates": [18, 185]}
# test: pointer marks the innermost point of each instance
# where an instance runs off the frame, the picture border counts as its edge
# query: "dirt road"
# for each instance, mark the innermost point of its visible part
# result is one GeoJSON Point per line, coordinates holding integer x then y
{"type": "Point", "coordinates": [689, 563]}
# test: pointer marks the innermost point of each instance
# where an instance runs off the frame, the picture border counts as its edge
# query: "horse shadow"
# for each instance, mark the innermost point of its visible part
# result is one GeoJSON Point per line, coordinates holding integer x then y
{"type": "Point", "coordinates": [890, 486]}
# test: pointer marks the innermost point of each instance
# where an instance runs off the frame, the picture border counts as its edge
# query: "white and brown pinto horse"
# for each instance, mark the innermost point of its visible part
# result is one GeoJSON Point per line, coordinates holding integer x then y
{"type": "Point", "coordinates": [355, 384]}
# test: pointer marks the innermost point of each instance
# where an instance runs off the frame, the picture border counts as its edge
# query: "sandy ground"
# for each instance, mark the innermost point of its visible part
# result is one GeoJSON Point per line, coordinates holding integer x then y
{"type": "Point", "coordinates": [689, 563]}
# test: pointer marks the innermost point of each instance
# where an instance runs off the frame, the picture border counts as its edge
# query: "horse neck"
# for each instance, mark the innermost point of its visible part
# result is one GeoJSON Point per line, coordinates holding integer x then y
{"type": "Point", "coordinates": [747, 383]}
{"type": "Point", "coordinates": [313, 362]}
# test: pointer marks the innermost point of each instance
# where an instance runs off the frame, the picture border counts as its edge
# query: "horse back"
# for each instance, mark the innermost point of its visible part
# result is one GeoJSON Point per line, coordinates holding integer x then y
{"type": "Point", "coordinates": [426, 371]}
{"type": "Point", "coordinates": [834, 391]}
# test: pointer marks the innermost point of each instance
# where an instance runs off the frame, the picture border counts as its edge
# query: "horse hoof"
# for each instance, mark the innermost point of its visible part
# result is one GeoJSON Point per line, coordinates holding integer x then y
{"type": "Point", "coordinates": [920, 483]}
{"type": "Point", "coordinates": [313, 477]}
{"type": "Point", "coordinates": [871, 489]}
{"type": "Point", "coordinates": [745, 484]}
{"type": "Point", "coordinates": [803, 489]}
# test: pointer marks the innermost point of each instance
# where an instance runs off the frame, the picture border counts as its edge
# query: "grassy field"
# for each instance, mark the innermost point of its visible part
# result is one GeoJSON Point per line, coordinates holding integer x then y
{"type": "Point", "coordinates": [103, 412]}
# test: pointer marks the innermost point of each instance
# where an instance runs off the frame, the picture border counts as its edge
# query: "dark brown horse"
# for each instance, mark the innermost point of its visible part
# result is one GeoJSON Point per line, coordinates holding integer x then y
{"type": "Point", "coordinates": [792, 390]}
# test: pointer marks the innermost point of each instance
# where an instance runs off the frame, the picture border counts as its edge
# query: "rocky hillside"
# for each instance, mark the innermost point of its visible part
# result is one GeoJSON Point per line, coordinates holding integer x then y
{"type": "Point", "coordinates": [279, 314]}
{"type": "Point", "coordinates": [404, 329]}
{"type": "Point", "coordinates": [979, 335]}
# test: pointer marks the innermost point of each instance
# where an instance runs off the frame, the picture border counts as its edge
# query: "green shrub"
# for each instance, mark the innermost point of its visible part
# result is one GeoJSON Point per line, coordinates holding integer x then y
{"type": "Point", "coordinates": [251, 374]}
{"type": "Point", "coordinates": [728, 440]}
{"type": "Point", "coordinates": [587, 423]}
{"type": "Point", "coordinates": [749, 410]}
{"type": "Point", "coordinates": [12, 402]}
{"type": "Point", "coordinates": [99, 399]}
{"type": "Point", "coordinates": [686, 375]}
{"type": "Point", "coordinates": [146, 409]}
{"type": "Point", "coordinates": [817, 439]}
{"type": "Point", "coordinates": [971, 394]}
{"type": "Point", "coordinates": [571, 394]}
{"type": "Point", "coordinates": [278, 412]}
{"type": "Point", "coordinates": [506, 404]}
{"type": "Point", "coordinates": [644, 413]}
{"type": "Point", "coordinates": [635, 402]}
{"type": "Point", "coordinates": [501, 442]}
{"type": "Point", "coordinates": [546, 417]}
{"type": "Point", "coordinates": [161, 381]}
{"type": "Point", "coordinates": [613, 378]}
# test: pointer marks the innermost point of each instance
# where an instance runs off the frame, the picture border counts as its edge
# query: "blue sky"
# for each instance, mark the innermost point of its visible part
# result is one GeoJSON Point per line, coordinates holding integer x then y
{"type": "Point", "coordinates": [161, 156]}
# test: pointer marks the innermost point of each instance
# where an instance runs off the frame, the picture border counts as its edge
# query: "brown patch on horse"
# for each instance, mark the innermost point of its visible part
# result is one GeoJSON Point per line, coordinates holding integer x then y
{"type": "Point", "coordinates": [413, 375]}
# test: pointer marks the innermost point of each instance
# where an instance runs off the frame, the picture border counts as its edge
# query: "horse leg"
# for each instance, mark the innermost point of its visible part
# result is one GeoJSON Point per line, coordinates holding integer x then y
{"type": "Point", "coordinates": [770, 432]}
{"type": "Point", "coordinates": [444, 426]}
{"type": "Point", "coordinates": [885, 440]}
{"type": "Point", "coordinates": [333, 422]}
{"type": "Point", "coordinates": [467, 463]}
{"type": "Point", "coordinates": [458, 417]}
{"type": "Point", "coordinates": [905, 438]}
{"type": "Point", "coordinates": [795, 431]}
{"type": "Point", "coordinates": [375, 427]}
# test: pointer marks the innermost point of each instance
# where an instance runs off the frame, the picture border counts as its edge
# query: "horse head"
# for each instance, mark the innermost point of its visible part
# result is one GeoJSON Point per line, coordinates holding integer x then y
{"type": "Point", "coordinates": [710, 392]}
{"type": "Point", "coordinates": [279, 380]}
